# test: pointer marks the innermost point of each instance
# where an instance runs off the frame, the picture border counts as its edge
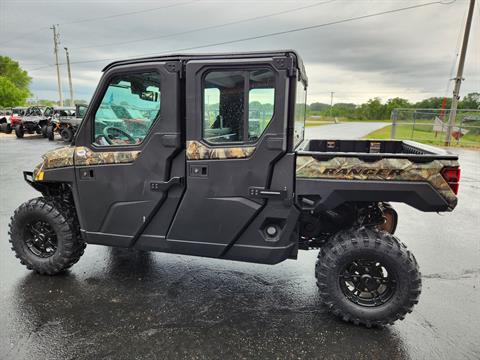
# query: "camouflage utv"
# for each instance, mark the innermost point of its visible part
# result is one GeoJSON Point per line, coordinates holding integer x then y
{"type": "Point", "coordinates": [205, 155]}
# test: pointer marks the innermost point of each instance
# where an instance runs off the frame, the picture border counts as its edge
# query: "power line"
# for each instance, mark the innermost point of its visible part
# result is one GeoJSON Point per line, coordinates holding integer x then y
{"type": "Point", "coordinates": [208, 27]}
{"type": "Point", "coordinates": [336, 22]}
{"type": "Point", "coordinates": [456, 53]}
{"type": "Point", "coordinates": [100, 18]}
{"type": "Point", "coordinates": [128, 13]}
{"type": "Point", "coordinates": [21, 36]}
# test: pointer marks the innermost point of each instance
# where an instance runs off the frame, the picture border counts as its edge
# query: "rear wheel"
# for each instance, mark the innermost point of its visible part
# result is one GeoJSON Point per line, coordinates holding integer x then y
{"type": "Point", "coordinates": [67, 134]}
{"type": "Point", "coordinates": [19, 132]}
{"type": "Point", "coordinates": [367, 277]}
{"type": "Point", "coordinates": [50, 133]}
{"type": "Point", "coordinates": [5, 127]}
{"type": "Point", "coordinates": [45, 236]}
{"type": "Point", "coordinates": [44, 131]}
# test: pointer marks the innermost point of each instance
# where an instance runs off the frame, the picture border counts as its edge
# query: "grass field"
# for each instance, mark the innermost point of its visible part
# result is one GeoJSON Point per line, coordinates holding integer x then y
{"type": "Point", "coordinates": [424, 134]}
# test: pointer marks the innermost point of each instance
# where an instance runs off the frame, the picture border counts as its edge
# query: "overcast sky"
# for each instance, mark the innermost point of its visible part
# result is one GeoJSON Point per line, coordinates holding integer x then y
{"type": "Point", "coordinates": [408, 54]}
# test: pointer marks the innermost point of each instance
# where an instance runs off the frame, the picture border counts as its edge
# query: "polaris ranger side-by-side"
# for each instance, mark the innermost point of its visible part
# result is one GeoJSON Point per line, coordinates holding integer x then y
{"type": "Point", "coordinates": [205, 155]}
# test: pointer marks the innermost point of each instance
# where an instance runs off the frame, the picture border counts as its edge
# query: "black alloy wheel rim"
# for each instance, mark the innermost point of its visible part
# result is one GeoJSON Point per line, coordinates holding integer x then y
{"type": "Point", "coordinates": [41, 239]}
{"type": "Point", "coordinates": [367, 282]}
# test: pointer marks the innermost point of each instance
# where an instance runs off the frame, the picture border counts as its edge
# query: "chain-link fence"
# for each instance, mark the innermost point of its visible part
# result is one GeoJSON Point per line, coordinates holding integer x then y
{"type": "Point", "coordinates": [430, 126]}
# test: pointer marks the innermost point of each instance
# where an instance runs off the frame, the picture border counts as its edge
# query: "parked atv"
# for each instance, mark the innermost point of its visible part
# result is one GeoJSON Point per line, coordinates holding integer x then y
{"type": "Point", "coordinates": [65, 121]}
{"type": "Point", "coordinates": [5, 115]}
{"type": "Point", "coordinates": [11, 117]}
{"type": "Point", "coordinates": [202, 175]}
{"type": "Point", "coordinates": [35, 120]}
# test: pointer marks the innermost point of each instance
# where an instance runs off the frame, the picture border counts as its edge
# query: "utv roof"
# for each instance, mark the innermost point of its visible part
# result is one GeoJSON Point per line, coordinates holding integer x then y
{"type": "Point", "coordinates": [241, 55]}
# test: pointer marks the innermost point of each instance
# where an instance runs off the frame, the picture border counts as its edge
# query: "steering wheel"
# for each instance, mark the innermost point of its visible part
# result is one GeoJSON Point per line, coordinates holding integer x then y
{"type": "Point", "coordinates": [108, 129]}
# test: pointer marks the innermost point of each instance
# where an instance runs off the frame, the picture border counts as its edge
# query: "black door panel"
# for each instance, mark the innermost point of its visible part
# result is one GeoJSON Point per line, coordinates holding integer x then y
{"type": "Point", "coordinates": [217, 209]}
{"type": "Point", "coordinates": [118, 201]}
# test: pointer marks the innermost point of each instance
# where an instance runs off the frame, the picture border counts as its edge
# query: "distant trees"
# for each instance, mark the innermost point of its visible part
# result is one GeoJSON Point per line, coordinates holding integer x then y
{"type": "Point", "coordinates": [47, 102]}
{"type": "Point", "coordinates": [471, 101]}
{"type": "Point", "coordinates": [14, 83]}
{"type": "Point", "coordinates": [375, 109]}
{"type": "Point", "coordinates": [317, 107]}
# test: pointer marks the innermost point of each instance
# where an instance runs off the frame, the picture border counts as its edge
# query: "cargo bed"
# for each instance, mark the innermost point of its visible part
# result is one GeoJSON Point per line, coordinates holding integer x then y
{"type": "Point", "coordinates": [374, 149]}
{"type": "Point", "coordinates": [331, 172]}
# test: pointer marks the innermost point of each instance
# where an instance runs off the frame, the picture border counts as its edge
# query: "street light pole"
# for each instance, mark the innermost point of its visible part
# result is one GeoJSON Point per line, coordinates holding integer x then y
{"type": "Point", "coordinates": [458, 78]}
{"type": "Point", "coordinates": [56, 40]}
{"type": "Point", "coordinates": [69, 77]}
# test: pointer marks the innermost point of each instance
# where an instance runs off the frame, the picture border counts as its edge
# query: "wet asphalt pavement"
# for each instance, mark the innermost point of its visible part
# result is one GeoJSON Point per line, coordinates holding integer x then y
{"type": "Point", "coordinates": [123, 304]}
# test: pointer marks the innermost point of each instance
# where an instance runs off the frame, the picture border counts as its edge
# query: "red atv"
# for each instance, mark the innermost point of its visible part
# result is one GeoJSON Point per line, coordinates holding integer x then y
{"type": "Point", "coordinates": [11, 118]}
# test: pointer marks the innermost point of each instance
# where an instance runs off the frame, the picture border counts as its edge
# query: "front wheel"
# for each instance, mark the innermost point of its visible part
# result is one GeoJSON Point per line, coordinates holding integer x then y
{"type": "Point", "coordinates": [44, 131]}
{"type": "Point", "coordinates": [50, 133]}
{"type": "Point", "coordinates": [67, 134]}
{"type": "Point", "coordinates": [367, 277]}
{"type": "Point", "coordinates": [19, 132]}
{"type": "Point", "coordinates": [45, 236]}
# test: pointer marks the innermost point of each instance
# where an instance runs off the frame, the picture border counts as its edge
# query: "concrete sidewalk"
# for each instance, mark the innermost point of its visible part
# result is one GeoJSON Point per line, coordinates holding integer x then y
{"type": "Point", "coordinates": [348, 130]}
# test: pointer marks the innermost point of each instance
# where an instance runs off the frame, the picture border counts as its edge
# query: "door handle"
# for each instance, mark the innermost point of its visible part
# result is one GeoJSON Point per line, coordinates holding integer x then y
{"type": "Point", "coordinates": [166, 185]}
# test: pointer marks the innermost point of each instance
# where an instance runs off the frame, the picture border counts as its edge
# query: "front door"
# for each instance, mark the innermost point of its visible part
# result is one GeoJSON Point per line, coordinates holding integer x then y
{"type": "Point", "coordinates": [126, 151]}
{"type": "Point", "coordinates": [237, 114]}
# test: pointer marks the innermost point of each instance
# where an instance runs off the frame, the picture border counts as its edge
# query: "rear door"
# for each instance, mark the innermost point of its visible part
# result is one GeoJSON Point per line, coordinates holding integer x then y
{"type": "Point", "coordinates": [126, 151]}
{"type": "Point", "coordinates": [235, 135]}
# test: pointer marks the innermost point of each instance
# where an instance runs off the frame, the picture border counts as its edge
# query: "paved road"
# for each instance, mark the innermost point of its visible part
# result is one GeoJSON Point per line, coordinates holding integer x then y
{"type": "Point", "coordinates": [348, 130]}
{"type": "Point", "coordinates": [123, 304]}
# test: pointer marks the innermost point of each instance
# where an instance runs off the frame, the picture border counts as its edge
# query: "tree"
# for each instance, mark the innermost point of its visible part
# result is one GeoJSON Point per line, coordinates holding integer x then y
{"type": "Point", "coordinates": [396, 103]}
{"type": "Point", "coordinates": [470, 101]}
{"type": "Point", "coordinates": [372, 110]}
{"type": "Point", "coordinates": [316, 106]}
{"type": "Point", "coordinates": [10, 95]}
{"type": "Point", "coordinates": [14, 83]}
{"type": "Point", "coordinates": [42, 102]}
{"type": "Point", "coordinates": [433, 103]}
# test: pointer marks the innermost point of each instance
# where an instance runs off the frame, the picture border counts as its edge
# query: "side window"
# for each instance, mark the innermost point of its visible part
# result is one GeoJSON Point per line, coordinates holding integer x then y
{"type": "Point", "coordinates": [224, 97]}
{"type": "Point", "coordinates": [261, 97]}
{"type": "Point", "coordinates": [128, 109]}
{"type": "Point", "coordinates": [300, 112]}
{"type": "Point", "coordinates": [226, 116]}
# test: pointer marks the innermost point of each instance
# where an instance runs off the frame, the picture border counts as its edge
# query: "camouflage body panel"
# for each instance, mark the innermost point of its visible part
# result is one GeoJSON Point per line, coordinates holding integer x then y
{"type": "Point", "coordinates": [57, 158]}
{"type": "Point", "coordinates": [86, 157]}
{"type": "Point", "coordinates": [82, 156]}
{"type": "Point", "coordinates": [198, 151]}
{"type": "Point", "coordinates": [347, 168]}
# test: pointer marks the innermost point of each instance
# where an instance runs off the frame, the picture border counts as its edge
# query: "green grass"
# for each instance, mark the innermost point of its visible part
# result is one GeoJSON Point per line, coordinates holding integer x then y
{"type": "Point", "coordinates": [424, 134]}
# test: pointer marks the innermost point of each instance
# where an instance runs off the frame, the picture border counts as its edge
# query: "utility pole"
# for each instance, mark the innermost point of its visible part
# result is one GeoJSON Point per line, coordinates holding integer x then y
{"type": "Point", "coordinates": [69, 77]}
{"type": "Point", "coordinates": [56, 41]}
{"type": "Point", "coordinates": [458, 79]}
{"type": "Point", "coordinates": [331, 103]}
